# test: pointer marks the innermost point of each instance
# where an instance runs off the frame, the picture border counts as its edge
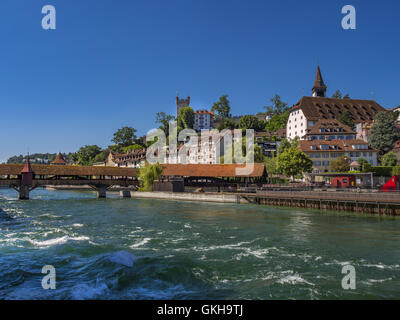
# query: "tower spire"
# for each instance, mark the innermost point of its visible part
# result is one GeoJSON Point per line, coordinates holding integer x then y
{"type": "Point", "coordinates": [319, 89]}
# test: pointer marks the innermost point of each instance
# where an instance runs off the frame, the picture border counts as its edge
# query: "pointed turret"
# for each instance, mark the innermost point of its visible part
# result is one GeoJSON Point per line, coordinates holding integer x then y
{"type": "Point", "coordinates": [319, 89]}
{"type": "Point", "coordinates": [59, 160]}
{"type": "Point", "coordinates": [27, 167]}
{"type": "Point", "coordinates": [27, 173]}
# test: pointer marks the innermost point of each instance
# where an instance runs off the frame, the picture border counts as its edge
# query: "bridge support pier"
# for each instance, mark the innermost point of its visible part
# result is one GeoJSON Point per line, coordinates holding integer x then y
{"type": "Point", "coordinates": [125, 193]}
{"type": "Point", "coordinates": [101, 192]}
{"type": "Point", "coordinates": [23, 192]}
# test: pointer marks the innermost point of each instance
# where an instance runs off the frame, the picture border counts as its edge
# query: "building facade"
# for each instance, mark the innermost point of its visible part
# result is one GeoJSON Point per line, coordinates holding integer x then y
{"type": "Point", "coordinates": [181, 103]}
{"type": "Point", "coordinates": [130, 159]}
{"type": "Point", "coordinates": [206, 151]}
{"type": "Point", "coordinates": [309, 110]}
{"type": "Point", "coordinates": [324, 152]}
{"type": "Point", "coordinates": [203, 120]}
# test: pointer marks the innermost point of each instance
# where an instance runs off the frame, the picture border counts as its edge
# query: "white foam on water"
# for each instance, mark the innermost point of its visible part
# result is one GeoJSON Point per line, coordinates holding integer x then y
{"type": "Point", "coordinates": [84, 291]}
{"type": "Point", "coordinates": [258, 253]}
{"type": "Point", "coordinates": [382, 266]}
{"type": "Point", "coordinates": [371, 282]}
{"type": "Point", "coordinates": [123, 257]}
{"type": "Point", "coordinates": [77, 225]}
{"type": "Point", "coordinates": [140, 243]}
{"type": "Point", "coordinates": [293, 279]}
{"type": "Point", "coordinates": [56, 241]}
{"type": "Point", "coordinates": [234, 246]}
{"type": "Point", "coordinates": [178, 240]}
{"type": "Point", "coordinates": [341, 263]}
{"type": "Point", "coordinates": [48, 215]}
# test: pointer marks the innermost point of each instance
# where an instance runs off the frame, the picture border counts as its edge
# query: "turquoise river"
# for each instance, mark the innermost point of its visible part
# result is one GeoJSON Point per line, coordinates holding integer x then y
{"type": "Point", "coordinates": [152, 249]}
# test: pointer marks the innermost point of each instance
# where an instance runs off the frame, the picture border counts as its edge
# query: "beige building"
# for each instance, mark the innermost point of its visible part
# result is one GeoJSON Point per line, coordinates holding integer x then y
{"type": "Point", "coordinates": [130, 159]}
{"type": "Point", "coordinates": [324, 152]}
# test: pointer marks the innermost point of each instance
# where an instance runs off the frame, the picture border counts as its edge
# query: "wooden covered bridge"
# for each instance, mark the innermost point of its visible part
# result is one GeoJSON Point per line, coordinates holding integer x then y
{"type": "Point", "coordinates": [25, 178]}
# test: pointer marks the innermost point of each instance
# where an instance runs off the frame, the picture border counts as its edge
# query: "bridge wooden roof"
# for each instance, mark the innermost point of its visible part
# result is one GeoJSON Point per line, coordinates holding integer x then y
{"type": "Point", "coordinates": [15, 169]}
{"type": "Point", "coordinates": [211, 170]}
{"type": "Point", "coordinates": [188, 170]}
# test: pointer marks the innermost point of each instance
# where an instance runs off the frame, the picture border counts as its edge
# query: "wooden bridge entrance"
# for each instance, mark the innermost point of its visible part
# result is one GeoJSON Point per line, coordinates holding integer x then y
{"type": "Point", "coordinates": [25, 178]}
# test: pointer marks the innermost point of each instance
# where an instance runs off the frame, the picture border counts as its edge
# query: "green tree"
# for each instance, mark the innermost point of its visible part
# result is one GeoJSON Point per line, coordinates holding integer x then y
{"type": "Point", "coordinates": [396, 170]}
{"type": "Point", "coordinates": [85, 155]}
{"type": "Point", "coordinates": [278, 106]}
{"type": "Point", "coordinates": [271, 165]}
{"type": "Point", "coordinates": [395, 115]}
{"type": "Point", "coordinates": [185, 118]}
{"type": "Point", "coordinates": [286, 144]}
{"type": "Point", "coordinates": [227, 124]}
{"type": "Point", "coordinates": [384, 133]}
{"type": "Point", "coordinates": [102, 156]}
{"type": "Point", "coordinates": [222, 108]}
{"type": "Point", "coordinates": [389, 159]}
{"type": "Point", "coordinates": [293, 162]}
{"type": "Point", "coordinates": [125, 136]}
{"type": "Point", "coordinates": [338, 95]}
{"type": "Point", "coordinates": [164, 119]}
{"type": "Point", "coordinates": [361, 161]}
{"type": "Point", "coordinates": [366, 167]}
{"type": "Point", "coordinates": [115, 148]}
{"type": "Point", "coordinates": [346, 119]}
{"type": "Point", "coordinates": [278, 121]}
{"type": "Point", "coordinates": [135, 146]}
{"type": "Point", "coordinates": [251, 122]}
{"type": "Point", "coordinates": [341, 164]}
{"type": "Point", "coordinates": [148, 174]}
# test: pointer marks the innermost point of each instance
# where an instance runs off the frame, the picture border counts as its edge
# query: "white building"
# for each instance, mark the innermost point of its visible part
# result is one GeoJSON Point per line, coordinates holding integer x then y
{"type": "Point", "coordinates": [203, 120]}
{"type": "Point", "coordinates": [306, 113]}
{"type": "Point", "coordinates": [204, 152]}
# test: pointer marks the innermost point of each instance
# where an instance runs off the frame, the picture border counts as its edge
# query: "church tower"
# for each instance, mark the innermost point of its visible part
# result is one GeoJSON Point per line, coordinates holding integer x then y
{"type": "Point", "coordinates": [319, 89]}
{"type": "Point", "coordinates": [181, 103]}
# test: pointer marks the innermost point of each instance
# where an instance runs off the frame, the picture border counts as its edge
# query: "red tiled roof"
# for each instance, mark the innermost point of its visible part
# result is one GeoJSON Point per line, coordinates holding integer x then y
{"type": "Point", "coordinates": [204, 112]}
{"type": "Point", "coordinates": [332, 126]}
{"type": "Point", "coordinates": [210, 170]}
{"type": "Point", "coordinates": [316, 108]}
{"type": "Point", "coordinates": [15, 169]}
{"type": "Point", "coordinates": [59, 159]}
{"type": "Point", "coordinates": [27, 167]}
{"type": "Point", "coordinates": [319, 82]}
{"type": "Point", "coordinates": [136, 154]}
{"type": "Point", "coordinates": [341, 145]}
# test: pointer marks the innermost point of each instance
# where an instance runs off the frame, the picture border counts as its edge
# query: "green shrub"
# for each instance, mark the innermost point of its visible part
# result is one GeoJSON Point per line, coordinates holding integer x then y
{"type": "Point", "coordinates": [148, 174]}
{"type": "Point", "coordinates": [396, 171]}
{"type": "Point", "coordinates": [382, 171]}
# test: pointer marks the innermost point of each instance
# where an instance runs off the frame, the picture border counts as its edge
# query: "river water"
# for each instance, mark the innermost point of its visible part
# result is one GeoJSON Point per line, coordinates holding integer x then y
{"type": "Point", "coordinates": [153, 249]}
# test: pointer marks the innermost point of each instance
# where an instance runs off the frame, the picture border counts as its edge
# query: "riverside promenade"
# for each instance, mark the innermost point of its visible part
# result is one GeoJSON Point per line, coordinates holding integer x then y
{"type": "Point", "coordinates": [361, 202]}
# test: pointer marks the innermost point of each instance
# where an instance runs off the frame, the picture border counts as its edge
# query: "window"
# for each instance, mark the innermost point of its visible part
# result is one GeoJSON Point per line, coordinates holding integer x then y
{"type": "Point", "coordinates": [360, 146]}
{"type": "Point", "coordinates": [324, 146]}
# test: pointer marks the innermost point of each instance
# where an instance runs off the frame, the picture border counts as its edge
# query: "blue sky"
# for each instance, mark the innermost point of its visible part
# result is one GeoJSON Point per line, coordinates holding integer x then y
{"type": "Point", "coordinates": [115, 63]}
